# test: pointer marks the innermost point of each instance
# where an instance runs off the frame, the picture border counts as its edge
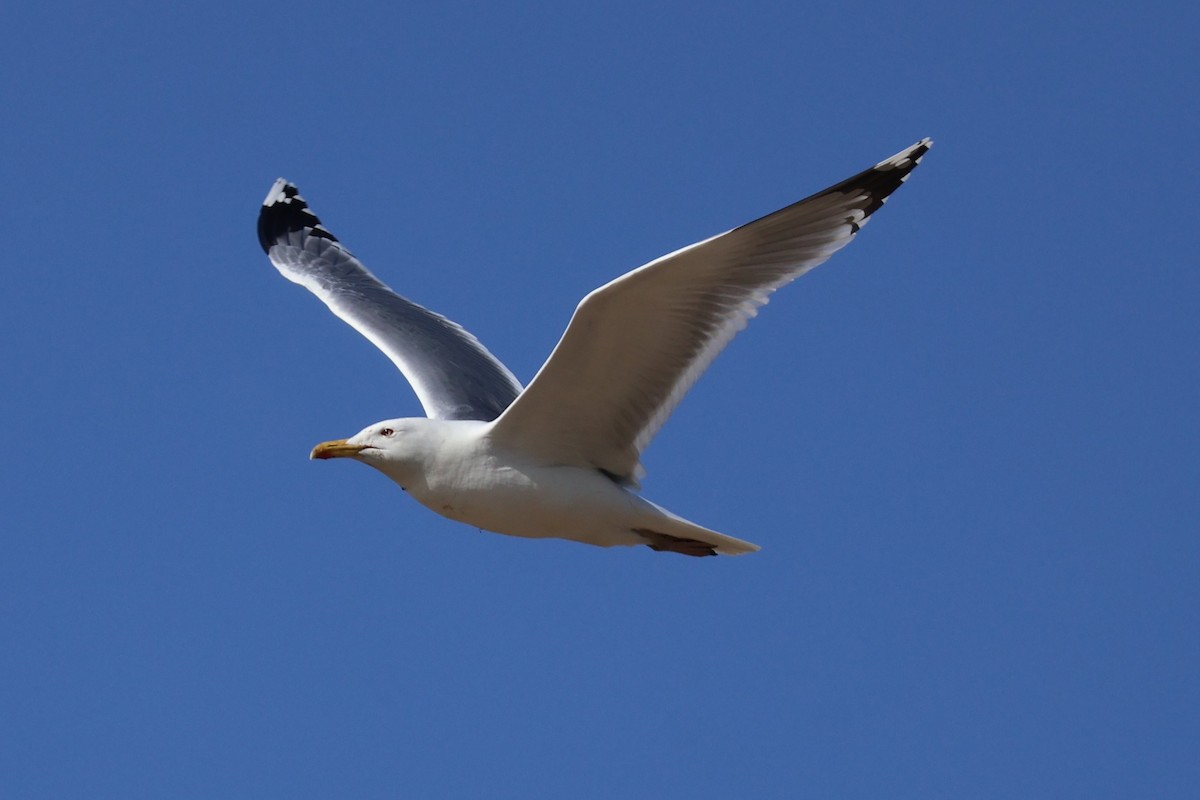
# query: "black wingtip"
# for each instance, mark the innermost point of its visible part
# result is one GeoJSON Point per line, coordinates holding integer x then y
{"type": "Point", "coordinates": [284, 211]}
{"type": "Point", "coordinates": [881, 180]}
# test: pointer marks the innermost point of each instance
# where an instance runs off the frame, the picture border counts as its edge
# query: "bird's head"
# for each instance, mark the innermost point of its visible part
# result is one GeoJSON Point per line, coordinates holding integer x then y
{"type": "Point", "coordinates": [403, 449]}
{"type": "Point", "coordinates": [387, 441]}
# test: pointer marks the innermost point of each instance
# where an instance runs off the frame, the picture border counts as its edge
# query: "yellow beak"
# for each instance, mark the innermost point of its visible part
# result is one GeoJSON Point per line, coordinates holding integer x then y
{"type": "Point", "coordinates": [336, 449]}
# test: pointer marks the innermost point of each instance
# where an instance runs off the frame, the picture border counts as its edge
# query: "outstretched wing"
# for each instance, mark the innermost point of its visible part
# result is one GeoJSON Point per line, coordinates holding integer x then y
{"type": "Point", "coordinates": [454, 376]}
{"type": "Point", "coordinates": [636, 345]}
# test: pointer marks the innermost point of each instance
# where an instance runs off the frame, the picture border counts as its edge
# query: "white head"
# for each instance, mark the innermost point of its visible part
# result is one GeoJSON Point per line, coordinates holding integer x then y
{"type": "Point", "coordinates": [397, 447]}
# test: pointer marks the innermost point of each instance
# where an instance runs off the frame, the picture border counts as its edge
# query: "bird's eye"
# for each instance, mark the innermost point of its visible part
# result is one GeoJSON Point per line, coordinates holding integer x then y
{"type": "Point", "coordinates": [387, 432]}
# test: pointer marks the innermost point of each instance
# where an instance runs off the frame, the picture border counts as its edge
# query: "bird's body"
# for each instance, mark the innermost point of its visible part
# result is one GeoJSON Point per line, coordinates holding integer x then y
{"type": "Point", "coordinates": [561, 457]}
{"type": "Point", "coordinates": [459, 470]}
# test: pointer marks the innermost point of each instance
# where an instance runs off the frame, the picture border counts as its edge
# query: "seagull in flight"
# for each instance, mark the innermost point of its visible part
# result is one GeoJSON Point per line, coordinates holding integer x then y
{"type": "Point", "coordinates": [560, 458]}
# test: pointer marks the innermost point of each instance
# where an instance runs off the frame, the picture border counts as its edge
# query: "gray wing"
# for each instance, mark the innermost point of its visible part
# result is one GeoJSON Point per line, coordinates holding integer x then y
{"type": "Point", "coordinates": [636, 345]}
{"type": "Point", "coordinates": [454, 376]}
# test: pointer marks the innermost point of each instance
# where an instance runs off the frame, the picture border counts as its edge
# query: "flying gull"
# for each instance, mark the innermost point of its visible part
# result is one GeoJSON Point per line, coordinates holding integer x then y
{"type": "Point", "coordinates": [561, 457]}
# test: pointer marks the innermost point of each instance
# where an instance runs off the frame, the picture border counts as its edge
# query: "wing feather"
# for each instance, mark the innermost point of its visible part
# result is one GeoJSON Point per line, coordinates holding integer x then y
{"type": "Point", "coordinates": [453, 375]}
{"type": "Point", "coordinates": [636, 345]}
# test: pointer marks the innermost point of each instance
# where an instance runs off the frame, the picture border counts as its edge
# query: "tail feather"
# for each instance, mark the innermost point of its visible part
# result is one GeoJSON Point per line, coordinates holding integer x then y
{"type": "Point", "coordinates": [672, 533]}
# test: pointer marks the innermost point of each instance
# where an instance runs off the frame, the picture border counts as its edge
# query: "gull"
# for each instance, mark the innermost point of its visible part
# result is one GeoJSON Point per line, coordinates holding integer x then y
{"type": "Point", "coordinates": [561, 457]}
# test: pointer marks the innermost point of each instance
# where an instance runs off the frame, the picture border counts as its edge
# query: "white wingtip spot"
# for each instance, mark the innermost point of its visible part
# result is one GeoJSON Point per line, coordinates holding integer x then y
{"type": "Point", "coordinates": [276, 192]}
{"type": "Point", "coordinates": [904, 159]}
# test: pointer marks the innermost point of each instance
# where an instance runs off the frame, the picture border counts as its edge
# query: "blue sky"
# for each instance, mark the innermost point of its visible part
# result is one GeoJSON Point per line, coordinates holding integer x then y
{"type": "Point", "coordinates": [967, 444]}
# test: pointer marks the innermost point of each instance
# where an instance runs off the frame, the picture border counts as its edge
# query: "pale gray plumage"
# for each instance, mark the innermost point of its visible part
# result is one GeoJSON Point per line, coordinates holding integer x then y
{"type": "Point", "coordinates": [636, 345]}
{"type": "Point", "coordinates": [560, 458]}
{"type": "Point", "coordinates": [454, 376]}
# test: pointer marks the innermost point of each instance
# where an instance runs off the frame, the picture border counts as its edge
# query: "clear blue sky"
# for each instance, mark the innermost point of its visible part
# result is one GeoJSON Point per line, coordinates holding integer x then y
{"type": "Point", "coordinates": [968, 444]}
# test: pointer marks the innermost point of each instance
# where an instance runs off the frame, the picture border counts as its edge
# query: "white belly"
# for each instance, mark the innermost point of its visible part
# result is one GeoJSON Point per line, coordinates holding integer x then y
{"type": "Point", "coordinates": [539, 502]}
